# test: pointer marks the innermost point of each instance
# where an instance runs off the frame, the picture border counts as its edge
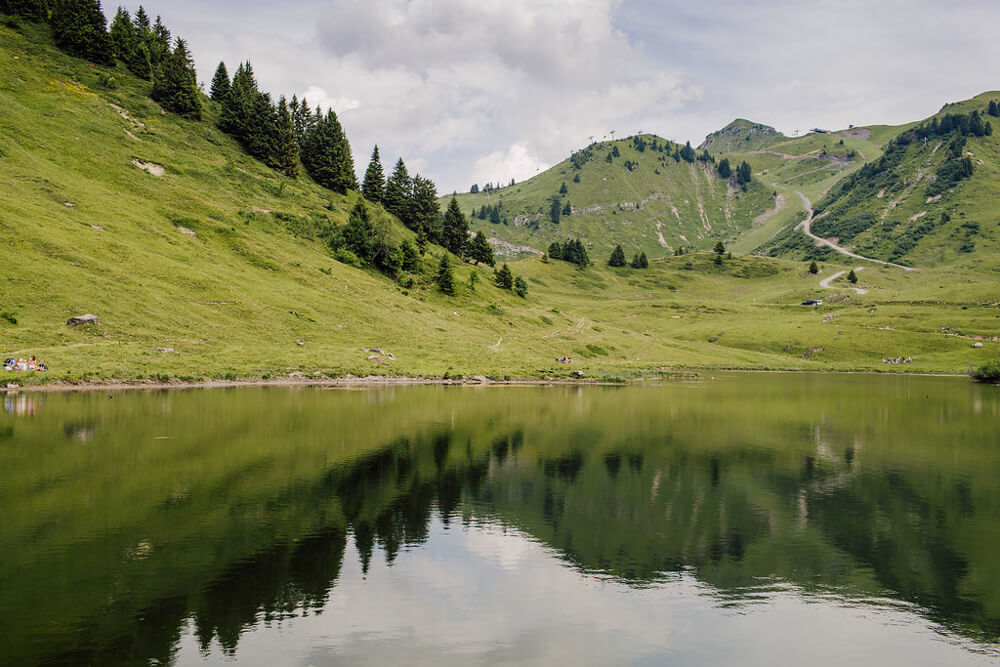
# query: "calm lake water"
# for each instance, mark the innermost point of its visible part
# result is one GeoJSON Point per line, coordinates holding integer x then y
{"type": "Point", "coordinates": [750, 519]}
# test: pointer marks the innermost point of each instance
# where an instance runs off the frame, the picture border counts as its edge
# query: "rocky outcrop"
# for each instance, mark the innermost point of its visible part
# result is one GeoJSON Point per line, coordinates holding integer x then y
{"type": "Point", "coordinates": [82, 319]}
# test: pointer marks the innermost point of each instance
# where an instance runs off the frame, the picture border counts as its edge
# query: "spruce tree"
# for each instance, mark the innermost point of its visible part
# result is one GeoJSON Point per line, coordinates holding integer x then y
{"type": "Point", "coordinates": [285, 157]}
{"type": "Point", "coordinates": [643, 261]}
{"type": "Point", "coordinates": [80, 29]}
{"type": "Point", "coordinates": [567, 210]}
{"type": "Point", "coordinates": [123, 39]}
{"type": "Point", "coordinates": [422, 242]}
{"type": "Point", "coordinates": [555, 250]}
{"type": "Point", "coordinates": [481, 250]}
{"type": "Point", "coordinates": [410, 258]}
{"type": "Point", "coordinates": [158, 42]}
{"type": "Point", "coordinates": [520, 287]}
{"type": "Point", "coordinates": [617, 257]}
{"type": "Point", "coordinates": [555, 210]}
{"type": "Point", "coordinates": [423, 211]}
{"type": "Point", "coordinates": [636, 262]}
{"type": "Point", "coordinates": [719, 248]}
{"type": "Point", "coordinates": [220, 84]}
{"type": "Point", "coordinates": [445, 280]}
{"type": "Point", "coordinates": [504, 278]}
{"type": "Point", "coordinates": [455, 229]}
{"type": "Point", "coordinates": [687, 153]}
{"type": "Point", "coordinates": [852, 277]}
{"type": "Point", "coordinates": [358, 235]}
{"type": "Point", "coordinates": [398, 192]}
{"type": "Point", "coordinates": [563, 189]}
{"type": "Point", "coordinates": [327, 155]}
{"type": "Point", "coordinates": [373, 188]}
{"type": "Point", "coordinates": [813, 268]}
{"type": "Point", "coordinates": [725, 171]}
{"type": "Point", "coordinates": [175, 85]}
{"type": "Point", "coordinates": [236, 106]}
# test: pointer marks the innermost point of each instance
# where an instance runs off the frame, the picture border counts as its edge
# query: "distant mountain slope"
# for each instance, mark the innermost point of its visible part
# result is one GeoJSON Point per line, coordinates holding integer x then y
{"type": "Point", "coordinates": [632, 192]}
{"type": "Point", "coordinates": [930, 199]}
{"type": "Point", "coordinates": [741, 136]}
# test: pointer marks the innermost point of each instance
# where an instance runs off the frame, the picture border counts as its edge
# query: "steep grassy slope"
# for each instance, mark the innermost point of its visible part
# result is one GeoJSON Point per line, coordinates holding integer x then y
{"type": "Point", "coordinates": [216, 267]}
{"type": "Point", "coordinates": [643, 199]}
{"type": "Point", "coordinates": [902, 209]}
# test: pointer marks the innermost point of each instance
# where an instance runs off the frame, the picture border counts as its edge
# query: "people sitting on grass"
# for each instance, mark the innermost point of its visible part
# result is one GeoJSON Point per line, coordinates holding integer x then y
{"type": "Point", "coordinates": [564, 360]}
{"type": "Point", "coordinates": [31, 364]}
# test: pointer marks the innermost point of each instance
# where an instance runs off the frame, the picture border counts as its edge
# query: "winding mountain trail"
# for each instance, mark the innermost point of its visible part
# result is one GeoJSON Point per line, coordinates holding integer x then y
{"type": "Point", "coordinates": [825, 283]}
{"type": "Point", "coordinates": [804, 226]}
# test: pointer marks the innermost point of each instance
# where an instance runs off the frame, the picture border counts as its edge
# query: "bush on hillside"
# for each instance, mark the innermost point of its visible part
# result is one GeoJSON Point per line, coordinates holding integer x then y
{"type": "Point", "coordinates": [988, 372]}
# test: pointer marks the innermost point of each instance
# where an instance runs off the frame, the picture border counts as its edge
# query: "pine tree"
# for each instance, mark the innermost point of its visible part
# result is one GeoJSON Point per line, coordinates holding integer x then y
{"type": "Point", "coordinates": [555, 250]}
{"type": "Point", "coordinates": [719, 248]}
{"type": "Point", "coordinates": [617, 257]}
{"type": "Point", "coordinates": [220, 84]}
{"type": "Point", "coordinates": [142, 24]}
{"type": "Point", "coordinates": [636, 263]}
{"type": "Point", "coordinates": [410, 258]}
{"type": "Point", "coordinates": [504, 278]}
{"type": "Point", "coordinates": [123, 39]}
{"type": "Point", "coordinates": [237, 105]}
{"type": "Point", "coordinates": [576, 178]}
{"type": "Point", "coordinates": [422, 242]}
{"type": "Point", "coordinates": [358, 235]}
{"type": "Point", "coordinates": [520, 287]}
{"type": "Point", "coordinates": [398, 192]}
{"type": "Point", "coordinates": [373, 188]}
{"type": "Point", "coordinates": [725, 171]}
{"type": "Point", "coordinates": [555, 210]}
{"type": "Point", "coordinates": [481, 251]}
{"type": "Point", "coordinates": [813, 268]}
{"type": "Point", "coordinates": [563, 189]}
{"type": "Point", "coordinates": [303, 118]}
{"type": "Point", "coordinates": [852, 277]}
{"type": "Point", "coordinates": [424, 211]}
{"type": "Point", "coordinates": [455, 230]}
{"type": "Point", "coordinates": [286, 148]}
{"type": "Point", "coordinates": [743, 174]}
{"type": "Point", "coordinates": [567, 210]}
{"type": "Point", "coordinates": [993, 109]}
{"type": "Point", "coordinates": [327, 155]}
{"type": "Point", "coordinates": [445, 280]}
{"type": "Point", "coordinates": [643, 261]}
{"type": "Point", "coordinates": [80, 29]}
{"type": "Point", "coordinates": [158, 42]}
{"type": "Point", "coordinates": [687, 153]}
{"type": "Point", "coordinates": [175, 85]}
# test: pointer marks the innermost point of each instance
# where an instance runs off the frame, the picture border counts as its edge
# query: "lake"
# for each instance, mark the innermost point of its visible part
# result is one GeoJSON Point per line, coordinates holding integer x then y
{"type": "Point", "coordinates": [751, 519]}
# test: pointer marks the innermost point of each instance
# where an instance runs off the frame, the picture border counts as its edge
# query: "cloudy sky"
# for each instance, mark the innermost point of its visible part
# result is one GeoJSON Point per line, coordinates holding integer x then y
{"type": "Point", "coordinates": [471, 91]}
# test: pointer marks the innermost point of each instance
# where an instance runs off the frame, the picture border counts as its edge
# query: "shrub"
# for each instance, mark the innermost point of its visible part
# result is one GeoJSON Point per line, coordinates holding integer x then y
{"type": "Point", "coordinates": [345, 256]}
{"type": "Point", "coordinates": [988, 372]}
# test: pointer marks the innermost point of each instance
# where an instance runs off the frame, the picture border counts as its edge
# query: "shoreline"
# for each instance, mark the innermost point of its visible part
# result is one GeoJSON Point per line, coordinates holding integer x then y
{"type": "Point", "coordinates": [369, 381]}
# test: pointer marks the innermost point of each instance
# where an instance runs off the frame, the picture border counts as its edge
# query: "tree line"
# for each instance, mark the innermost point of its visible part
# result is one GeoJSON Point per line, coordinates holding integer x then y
{"type": "Point", "coordinates": [617, 259]}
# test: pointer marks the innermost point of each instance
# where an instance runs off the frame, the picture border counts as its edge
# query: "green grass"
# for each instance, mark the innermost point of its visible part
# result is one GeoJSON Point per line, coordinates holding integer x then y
{"type": "Point", "coordinates": [255, 293]}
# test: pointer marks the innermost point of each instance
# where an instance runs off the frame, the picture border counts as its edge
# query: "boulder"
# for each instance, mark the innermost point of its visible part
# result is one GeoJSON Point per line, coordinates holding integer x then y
{"type": "Point", "coordinates": [82, 319]}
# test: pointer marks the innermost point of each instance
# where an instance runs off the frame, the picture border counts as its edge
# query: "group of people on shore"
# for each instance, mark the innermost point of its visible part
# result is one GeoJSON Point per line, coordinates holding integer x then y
{"type": "Point", "coordinates": [897, 360]}
{"type": "Point", "coordinates": [31, 364]}
{"type": "Point", "coordinates": [564, 360]}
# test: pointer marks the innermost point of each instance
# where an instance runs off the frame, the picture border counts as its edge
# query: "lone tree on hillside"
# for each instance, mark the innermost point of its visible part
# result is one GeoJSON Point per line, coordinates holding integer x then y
{"type": "Point", "coordinates": [455, 230]}
{"type": "Point", "coordinates": [504, 278]}
{"type": "Point", "coordinates": [520, 287]}
{"type": "Point", "coordinates": [617, 257]}
{"type": "Point", "coordinates": [563, 189]}
{"type": "Point", "coordinates": [555, 210]}
{"type": "Point", "coordinates": [813, 268]}
{"type": "Point", "coordinates": [480, 250]}
{"type": "Point", "coordinates": [853, 277]}
{"type": "Point", "coordinates": [373, 188]}
{"type": "Point", "coordinates": [445, 279]}
{"type": "Point", "coordinates": [720, 249]}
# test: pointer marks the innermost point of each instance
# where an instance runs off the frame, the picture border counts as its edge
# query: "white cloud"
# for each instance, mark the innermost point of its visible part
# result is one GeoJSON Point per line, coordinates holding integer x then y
{"type": "Point", "coordinates": [316, 96]}
{"type": "Point", "coordinates": [499, 166]}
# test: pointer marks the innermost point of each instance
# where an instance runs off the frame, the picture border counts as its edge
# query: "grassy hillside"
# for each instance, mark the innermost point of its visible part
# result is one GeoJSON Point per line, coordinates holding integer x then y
{"type": "Point", "coordinates": [903, 207]}
{"type": "Point", "coordinates": [643, 199]}
{"type": "Point", "coordinates": [214, 267]}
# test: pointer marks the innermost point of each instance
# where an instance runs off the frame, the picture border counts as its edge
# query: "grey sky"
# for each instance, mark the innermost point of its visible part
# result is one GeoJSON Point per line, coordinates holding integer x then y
{"type": "Point", "coordinates": [489, 90]}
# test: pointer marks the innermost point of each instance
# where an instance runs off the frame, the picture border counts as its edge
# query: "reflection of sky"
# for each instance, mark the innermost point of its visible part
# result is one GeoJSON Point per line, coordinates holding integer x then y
{"type": "Point", "coordinates": [482, 595]}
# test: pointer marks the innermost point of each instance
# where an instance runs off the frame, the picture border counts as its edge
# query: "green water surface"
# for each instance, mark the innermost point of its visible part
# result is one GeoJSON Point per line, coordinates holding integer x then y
{"type": "Point", "coordinates": [752, 519]}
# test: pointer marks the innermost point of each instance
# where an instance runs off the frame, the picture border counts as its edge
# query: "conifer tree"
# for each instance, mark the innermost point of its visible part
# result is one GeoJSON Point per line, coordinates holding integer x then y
{"type": "Point", "coordinates": [358, 235]}
{"type": "Point", "coordinates": [175, 85]}
{"type": "Point", "coordinates": [504, 277]}
{"type": "Point", "coordinates": [725, 171]}
{"type": "Point", "coordinates": [567, 210]}
{"type": "Point", "coordinates": [422, 242]}
{"type": "Point", "coordinates": [852, 277]}
{"type": "Point", "coordinates": [813, 268]}
{"type": "Point", "coordinates": [237, 105]}
{"type": "Point", "coordinates": [141, 23]}
{"type": "Point", "coordinates": [520, 287]}
{"type": "Point", "coordinates": [636, 263]}
{"type": "Point", "coordinates": [555, 210]}
{"type": "Point", "coordinates": [327, 155]}
{"type": "Point", "coordinates": [719, 248]}
{"type": "Point", "coordinates": [993, 109]}
{"type": "Point", "coordinates": [563, 189]}
{"type": "Point", "coordinates": [410, 258]}
{"type": "Point", "coordinates": [373, 187]}
{"type": "Point", "coordinates": [643, 261]}
{"type": "Point", "coordinates": [445, 280]}
{"type": "Point", "coordinates": [220, 83]}
{"type": "Point", "coordinates": [286, 148]}
{"type": "Point", "coordinates": [80, 29]}
{"type": "Point", "coordinates": [687, 153]}
{"type": "Point", "coordinates": [617, 257]}
{"type": "Point", "coordinates": [398, 192]}
{"type": "Point", "coordinates": [158, 42]}
{"type": "Point", "coordinates": [123, 39]}
{"type": "Point", "coordinates": [555, 250]}
{"type": "Point", "coordinates": [423, 211]}
{"type": "Point", "coordinates": [481, 250]}
{"type": "Point", "coordinates": [455, 230]}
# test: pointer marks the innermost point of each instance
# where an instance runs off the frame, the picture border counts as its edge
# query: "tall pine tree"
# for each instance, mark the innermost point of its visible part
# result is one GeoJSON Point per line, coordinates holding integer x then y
{"type": "Point", "coordinates": [123, 40]}
{"type": "Point", "coordinates": [80, 29]}
{"type": "Point", "coordinates": [424, 213]}
{"type": "Point", "coordinates": [30, 10]}
{"type": "Point", "coordinates": [285, 145]}
{"type": "Point", "coordinates": [374, 186]}
{"type": "Point", "coordinates": [175, 85]}
{"type": "Point", "coordinates": [327, 155]}
{"type": "Point", "coordinates": [398, 192]}
{"type": "Point", "coordinates": [220, 83]}
{"type": "Point", "coordinates": [455, 230]}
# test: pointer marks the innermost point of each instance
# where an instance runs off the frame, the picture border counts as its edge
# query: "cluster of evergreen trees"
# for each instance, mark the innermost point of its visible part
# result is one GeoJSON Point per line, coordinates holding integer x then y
{"type": "Point", "coordinates": [617, 259]}
{"type": "Point", "coordinates": [504, 278]}
{"type": "Point", "coordinates": [744, 174]}
{"type": "Point", "coordinates": [30, 10]}
{"type": "Point", "coordinates": [571, 251]}
{"type": "Point", "coordinates": [966, 124]}
{"type": "Point", "coordinates": [490, 212]}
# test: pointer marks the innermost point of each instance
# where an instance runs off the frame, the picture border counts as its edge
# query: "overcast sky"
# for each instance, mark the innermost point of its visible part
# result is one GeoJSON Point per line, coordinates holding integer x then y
{"type": "Point", "coordinates": [471, 91]}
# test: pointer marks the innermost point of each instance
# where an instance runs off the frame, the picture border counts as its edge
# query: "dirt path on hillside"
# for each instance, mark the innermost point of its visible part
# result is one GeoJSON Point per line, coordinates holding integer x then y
{"type": "Point", "coordinates": [804, 226]}
{"type": "Point", "coordinates": [825, 283]}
